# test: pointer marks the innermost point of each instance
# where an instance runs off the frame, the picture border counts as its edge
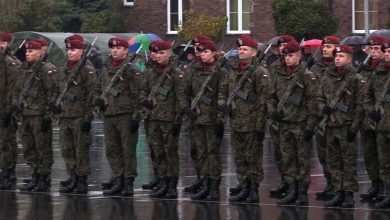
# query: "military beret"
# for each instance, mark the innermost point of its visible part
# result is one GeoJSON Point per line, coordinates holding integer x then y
{"type": "Point", "coordinates": [206, 45]}
{"type": "Point", "coordinates": [5, 36]}
{"type": "Point", "coordinates": [200, 38]}
{"type": "Point", "coordinates": [33, 44]}
{"type": "Point", "coordinates": [331, 40]}
{"type": "Point", "coordinates": [246, 40]}
{"type": "Point", "coordinates": [159, 45]}
{"type": "Point", "coordinates": [343, 49]}
{"type": "Point", "coordinates": [74, 42]}
{"type": "Point", "coordinates": [376, 40]}
{"type": "Point", "coordinates": [43, 42]}
{"type": "Point", "coordinates": [291, 47]}
{"type": "Point", "coordinates": [386, 45]}
{"type": "Point", "coordinates": [285, 39]}
{"type": "Point", "coordinates": [118, 42]}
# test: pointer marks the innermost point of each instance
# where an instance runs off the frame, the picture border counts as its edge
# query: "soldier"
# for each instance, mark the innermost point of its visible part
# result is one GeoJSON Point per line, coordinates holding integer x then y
{"type": "Point", "coordinates": [8, 75]}
{"type": "Point", "coordinates": [32, 96]}
{"type": "Point", "coordinates": [204, 122]}
{"type": "Point", "coordinates": [120, 107]}
{"type": "Point", "coordinates": [247, 115]}
{"type": "Point", "coordinates": [378, 112]}
{"type": "Point", "coordinates": [329, 43]}
{"type": "Point", "coordinates": [293, 95]}
{"type": "Point", "coordinates": [343, 124]}
{"type": "Point", "coordinates": [78, 84]}
{"type": "Point", "coordinates": [161, 95]}
{"type": "Point", "coordinates": [368, 135]}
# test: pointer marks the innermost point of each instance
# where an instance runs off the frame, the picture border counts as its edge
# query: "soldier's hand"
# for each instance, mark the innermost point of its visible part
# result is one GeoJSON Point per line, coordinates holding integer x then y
{"type": "Point", "coordinates": [375, 115]}
{"type": "Point", "coordinates": [327, 110]}
{"type": "Point", "coordinates": [277, 116]}
{"type": "Point", "coordinates": [176, 129]}
{"type": "Point", "coordinates": [7, 119]}
{"type": "Point", "coordinates": [351, 135]}
{"type": "Point", "coordinates": [133, 125]}
{"type": "Point", "coordinates": [55, 109]}
{"type": "Point", "coordinates": [99, 103]}
{"type": "Point", "coordinates": [259, 136]}
{"type": "Point", "coordinates": [191, 114]}
{"type": "Point", "coordinates": [226, 110]}
{"type": "Point", "coordinates": [45, 125]}
{"type": "Point", "coordinates": [148, 104]}
{"type": "Point", "coordinates": [307, 135]}
{"type": "Point", "coordinates": [219, 130]}
{"type": "Point", "coordinates": [86, 126]}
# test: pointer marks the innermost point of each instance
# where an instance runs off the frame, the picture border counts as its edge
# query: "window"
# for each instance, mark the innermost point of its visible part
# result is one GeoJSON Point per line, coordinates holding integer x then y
{"type": "Point", "coordinates": [358, 15]}
{"type": "Point", "coordinates": [238, 12]}
{"type": "Point", "coordinates": [175, 10]}
{"type": "Point", "coordinates": [128, 2]}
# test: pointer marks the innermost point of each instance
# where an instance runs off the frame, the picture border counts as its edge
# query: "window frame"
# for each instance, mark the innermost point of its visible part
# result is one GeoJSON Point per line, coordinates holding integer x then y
{"type": "Point", "coordinates": [127, 3]}
{"type": "Point", "coordinates": [359, 31]}
{"type": "Point", "coordinates": [240, 21]}
{"type": "Point", "coordinates": [179, 13]}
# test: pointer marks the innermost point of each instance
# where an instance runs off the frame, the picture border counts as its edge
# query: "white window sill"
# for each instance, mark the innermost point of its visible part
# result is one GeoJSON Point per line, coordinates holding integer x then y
{"type": "Point", "coordinates": [172, 32]}
{"type": "Point", "coordinates": [238, 32]}
{"type": "Point", "coordinates": [362, 31]}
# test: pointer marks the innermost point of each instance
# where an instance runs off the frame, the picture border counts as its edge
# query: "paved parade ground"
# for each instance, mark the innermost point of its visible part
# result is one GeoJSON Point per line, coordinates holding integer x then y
{"type": "Point", "coordinates": [46, 206]}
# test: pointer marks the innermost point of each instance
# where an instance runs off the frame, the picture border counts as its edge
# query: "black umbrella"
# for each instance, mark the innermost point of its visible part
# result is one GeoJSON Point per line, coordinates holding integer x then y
{"type": "Point", "coordinates": [353, 40]}
{"type": "Point", "coordinates": [181, 47]}
{"type": "Point", "coordinates": [273, 41]}
{"type": "Point", "coordinates": [382, 32]}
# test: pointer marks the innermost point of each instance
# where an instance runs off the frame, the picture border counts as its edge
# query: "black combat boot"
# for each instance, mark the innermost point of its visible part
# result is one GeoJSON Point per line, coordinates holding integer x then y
{"type": "Point", "coordinates": [81, 186]}
{"type": "Point", "coordinates": [194, 188]}
{"type": "Point", "coordinates": [7, 181]}
{"type": "Point", "coordinates": [128, 186]}
{"type": "Point", "coordinates": [382, 191]}
{"type": "Point", "coordinates": [214, 192]}
{"type": "Point", "coordinates": [337, 199]}
{"type": "Point", "coordinates": [243, 194]}
{"type": "Point", "coordinates": [235, 190]}
{"type": "Point", "coordinates": [116, 187]}
{"type": "Point", "coordinates": [107, 185]}
{"type": "Point", "coordinates": [202, 194]}
{"type": "Point", "coordinates": [153, 183]}
{"type": "Point", "coordinates": [328, 192]}
{"type": "Point", "coordinates": [162, 189]}
{"type": "Point", "coordinates": [349, 201]}
{"type": "Point", "coordinates": [67, 181]}
{"type": "Point", "coordinates": [70, 186]}
{"type": "Point", "coordinates": [279, 189]}
{"type": "Point", "coordinates": [302, 196]}
{"type": "Point", "coordinates": [254, 193]}
{"type": "Point", "coordinates": [43, 184]}
{"type": "Point", "coordinates": [385, 203]}
{"type": "Point", "coordinates": [29, 186]}
{"type": "Point", "coordinates": [291, 196]}
{"type": "Point", "coordinates": [372, 191]}
{"type": "Point", "coordinates": [172, 188]}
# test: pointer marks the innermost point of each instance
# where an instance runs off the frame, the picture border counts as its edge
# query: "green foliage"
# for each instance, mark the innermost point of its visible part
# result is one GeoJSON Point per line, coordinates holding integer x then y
{"type": "Point", "coordinates": [194, 24]}
{"type": "Point", "coordinates": [303, 18]}
{"type": "Point", "coordinates": [103, 22]}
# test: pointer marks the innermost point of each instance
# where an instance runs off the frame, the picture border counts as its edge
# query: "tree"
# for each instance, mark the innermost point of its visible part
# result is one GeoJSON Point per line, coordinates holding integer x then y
{"type": "Point", "coordinates": [302, 18]}
{"type": "Point", "coordinates": [103, 22]}
{"type": "Point", "coordinates": [205, 24]}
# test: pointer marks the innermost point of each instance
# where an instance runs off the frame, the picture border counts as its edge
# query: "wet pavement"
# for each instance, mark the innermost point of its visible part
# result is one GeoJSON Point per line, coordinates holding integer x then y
{"type": "Point", "coordinates": [16, 205]}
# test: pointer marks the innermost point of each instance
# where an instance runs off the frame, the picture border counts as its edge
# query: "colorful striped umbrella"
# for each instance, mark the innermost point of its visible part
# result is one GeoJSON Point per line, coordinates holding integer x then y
{"type": "Point", "coordinates": [144, 39]}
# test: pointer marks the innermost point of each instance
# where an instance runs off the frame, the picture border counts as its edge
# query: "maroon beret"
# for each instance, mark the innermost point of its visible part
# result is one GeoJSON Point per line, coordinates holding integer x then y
{"type": "Point", "coordinates": [285, 39]}
{"type": "Point", "coordinates": [74, 42]}
{"type": "Point", "coordinates": [200, 38]}
{"type": "Point", "coordinates": [43, 42]}
{"type": "Point", "coordinates": [291, 47]}
{"type": "Point", "coordinates": [246, 40]}
{"type": "Point", "coordinates": [206, 45]}
{"type": "Point", "coordinates": [118, 42]}
{"type": "Point", "coordinates": [159, 45]}
{"type": "Point", "coordinates": [331, 40]}
{"type": "Point", "coordinates": [376, 40]}
{"type": "Point", "coordinates": [343, 49]}
{"type": "Point", "coordinates": [386, 45]}
{"type": "Point", "coordinates": [33, 44]}
{"type": "Point", "coordinates": [5, 36]}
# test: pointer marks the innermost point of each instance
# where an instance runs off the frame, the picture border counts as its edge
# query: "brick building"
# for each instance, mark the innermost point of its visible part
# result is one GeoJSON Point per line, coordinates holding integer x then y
{"type": "Point", "coordinates": [245, 16]}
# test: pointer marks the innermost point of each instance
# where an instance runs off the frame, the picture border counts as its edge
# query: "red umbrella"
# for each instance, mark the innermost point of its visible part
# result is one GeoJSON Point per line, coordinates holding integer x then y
{"type": "Point", "coordinates": [315, 43]}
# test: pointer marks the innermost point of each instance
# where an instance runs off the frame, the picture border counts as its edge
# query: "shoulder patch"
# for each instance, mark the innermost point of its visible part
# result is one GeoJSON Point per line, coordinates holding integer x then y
{"type": "Point", "coordinates": [137, 73]}
{"type": "Point", "coordinates": [181, 76]}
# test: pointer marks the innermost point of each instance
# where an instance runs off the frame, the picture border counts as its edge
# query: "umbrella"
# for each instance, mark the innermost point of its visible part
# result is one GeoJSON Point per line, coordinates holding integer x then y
{"type": "Point", "coordinates": [382, 32]}
{"type": "Point", "coordinates": [314, 43]}
{"type": "Point", "coordinates": [144, 39]}
{"type": "Point", "coordinates": [352, 40]}
{"type": "Point", "coordinates": [273, 41]}
{"type": "Point", "coordinates": [180, 47]}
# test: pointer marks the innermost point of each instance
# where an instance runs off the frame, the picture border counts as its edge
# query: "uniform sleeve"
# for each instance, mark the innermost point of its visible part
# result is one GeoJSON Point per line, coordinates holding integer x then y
{"type": "Point", "coordinates": [187, 89]}
{"type": "Point", "coordinates": [358, 113]}
{"type": "Point", "coordinates": [179, 84]}
{"type": "Point", "coordinates": [271, 95]}
{"type": "Point", "coordinates": [262, 84]}
{"type": "Point", "coordinates": [223, 90]}
{"type": "Point", "coordinates": [369, 96]}
{"type": "Point", "coordinates": [312, 100]}
{"type": "Point", "coordinates": [51, 76]}
{"type": "Point", "coordinates": [91, 86]}
{"type": "Point", "coordinates": [135, 87]}
{"type": "Point", "coordinates": [12, 72]}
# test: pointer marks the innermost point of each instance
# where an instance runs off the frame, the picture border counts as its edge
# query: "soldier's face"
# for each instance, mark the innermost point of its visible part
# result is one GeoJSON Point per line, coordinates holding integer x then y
{"type": "Point", "coordinates": [207, 56]}
{"type": "Point", "coordinates": [246, 53]}
{"type": "Point", "coordinates": [327, 50]}
{"type": "Point", "coordinates": [119, 52]}
{"type": "Point", "coordinates": [163, 56]}
{"type": "Point", "coordinates": [3, 45]}
{"type": "Point", "coordinates": [292, 59]}
{"type": "Point", "coordinates": [281, 47]}
{"type": "Point", "coordinates": [74, 54]}
{"type": "Point", "coordinates": [387, 55]}
{"type": "Point", "coordinates": [376, 52]}
{"type": "Point", "coordinates": [33, 55]}
{"type": "Point", "coordinates": [153, 55]}
{"type": "Point", "coordinates": [342, 59]}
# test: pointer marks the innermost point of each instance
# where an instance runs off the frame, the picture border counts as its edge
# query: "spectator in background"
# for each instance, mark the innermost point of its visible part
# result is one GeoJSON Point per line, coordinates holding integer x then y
{"type": "Point", "coordinates": [359, 54]}
{"type": "Point", "coordinates": [96, 60]}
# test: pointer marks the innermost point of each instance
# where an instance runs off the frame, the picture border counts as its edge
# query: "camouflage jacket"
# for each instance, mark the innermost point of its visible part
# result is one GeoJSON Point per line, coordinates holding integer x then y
{"type": "Point", "coordinates": [9, 71]}
{"type": "Point", "coordinates": [249, 110]}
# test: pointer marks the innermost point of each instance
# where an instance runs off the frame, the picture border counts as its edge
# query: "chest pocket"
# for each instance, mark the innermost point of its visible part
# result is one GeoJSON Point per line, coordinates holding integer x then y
{"type": "Point", "coordinates": [75, 89]}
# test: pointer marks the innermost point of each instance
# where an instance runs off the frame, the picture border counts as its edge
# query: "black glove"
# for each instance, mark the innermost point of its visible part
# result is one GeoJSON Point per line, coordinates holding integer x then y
{"type": "Point", "coordinates": [226, 110]}
{"type": "Point", "coordinates": [148, 104]}
{"type": "Point", "coordinates": [259, 135]}
{"type": "Point", "coordinates": [133, 125]}
{"type": "Point", "coordinates": [99, 103]}
{"type": "Point", "coordinates": [7, 119]}
{"type": "Point", "coordinates": [307, 135]}
{"type": "Point", "coordinates": [327, 110]}
{"type": "Point", "coordinates": [18, 108]}
{"type": "Point", "coordinates": [351, 135]}
{"type": "Point", "coordinates": [375, 115]}
{"type": "Point", "coordinates": [219, 130]}
{"type": "Point", "coordinates": [277, 116]}
{"type": "Point", "coordinates": [86, 126]}
{"type": "Point", "coordinates": [191, 114]}
{"type": "Point", "coordinates": [45, 125]}
{"type": "Point", "coordinates": [55, 109]}
{"type": "Point", "coordinates": [176, 129]}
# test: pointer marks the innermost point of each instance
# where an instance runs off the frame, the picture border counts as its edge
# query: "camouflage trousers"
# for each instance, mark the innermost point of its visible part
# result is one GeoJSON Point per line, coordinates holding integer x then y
{"type": "Point", "coordinates": [370, 150]}
{"type": "Point", "coordinates": [74, 145]}
{"type": "Point", "coordinates": [208, 148]}
{"type": "Point", "coordinates": [295, 153]}
{"type": "Point", "coordinates": [37, 145]}
{"type": "Point", "coordinates": [321, 153]}
{"type": "Point", "coordinates": [248, 156]}
{"type": "Point", "coordinates": [165, 147]}
{"type": "Point", "coordinates": [152, 157]}
{"type": "Point", "coordinates": [276, 147]}
{"type": "Point", "coordinates": [121, 145]}
{"type": "Point", "coordinates": [341, 159]}
{"type": "Point", "coordinates": [193, 149]}
{"type": "Point", "coordinates": [8, 146]}
{"type": "Point", "coordinates": [383, 141]}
